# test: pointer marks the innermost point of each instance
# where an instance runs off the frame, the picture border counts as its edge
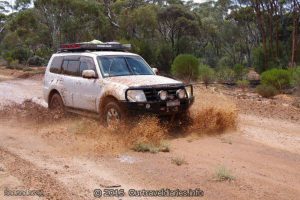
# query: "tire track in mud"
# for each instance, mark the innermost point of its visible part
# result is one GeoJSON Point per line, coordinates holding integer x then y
{"type": "Point", "coordinates": [33, 177]}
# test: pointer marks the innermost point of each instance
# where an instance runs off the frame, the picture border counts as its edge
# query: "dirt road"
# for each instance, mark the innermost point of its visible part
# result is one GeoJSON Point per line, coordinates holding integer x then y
{"type": "Point", "coordinates": [263, 155]}
{"type": "Point", "coordinates": [17, 90]}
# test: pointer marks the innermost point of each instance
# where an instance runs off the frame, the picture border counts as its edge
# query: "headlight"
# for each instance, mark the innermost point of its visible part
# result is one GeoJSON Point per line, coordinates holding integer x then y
{"type": "Point", "coordinates": [189, 91]}
{"type": "Point", "coordinates": [163, 95]}
{"type": "Point", "coordinates": [180, 94]}
{"type": "Point", "coordinates": [136, 96]}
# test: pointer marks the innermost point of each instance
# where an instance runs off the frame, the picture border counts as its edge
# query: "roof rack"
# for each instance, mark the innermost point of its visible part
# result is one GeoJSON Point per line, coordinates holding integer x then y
{"type": "Point", "coordinates": [82, 47]}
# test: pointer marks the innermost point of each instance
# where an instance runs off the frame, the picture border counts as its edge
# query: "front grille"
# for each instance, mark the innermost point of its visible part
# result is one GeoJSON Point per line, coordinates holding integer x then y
{"type": "Point", "coordinates": [152, 93]}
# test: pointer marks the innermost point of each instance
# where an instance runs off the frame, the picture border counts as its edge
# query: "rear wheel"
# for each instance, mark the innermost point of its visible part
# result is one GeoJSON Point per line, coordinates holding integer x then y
{"type": "Point", "coordinates": [113, 113]}
{"type": "Point", "coordinates": [56, 103]}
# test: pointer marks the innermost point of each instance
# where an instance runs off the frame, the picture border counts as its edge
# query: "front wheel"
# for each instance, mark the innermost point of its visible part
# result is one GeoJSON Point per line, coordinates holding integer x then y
{"type": "Point", "coordinates": [113, 114]}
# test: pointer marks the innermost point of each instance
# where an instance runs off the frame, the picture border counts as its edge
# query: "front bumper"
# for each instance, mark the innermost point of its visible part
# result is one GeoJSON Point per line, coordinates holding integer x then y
{"type": "Point", "coordinates": [157, 108]}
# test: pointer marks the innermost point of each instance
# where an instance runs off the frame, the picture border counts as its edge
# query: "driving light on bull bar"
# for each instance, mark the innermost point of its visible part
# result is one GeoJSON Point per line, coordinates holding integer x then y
{"type": "Point", "coordinates": [189, 90]}
{"type": "Point", "coordinates": [180, 94]}
{"type": "Point", "coordinates": [136, 96]}
{"type": "Point", "coordinates": [163, 95]}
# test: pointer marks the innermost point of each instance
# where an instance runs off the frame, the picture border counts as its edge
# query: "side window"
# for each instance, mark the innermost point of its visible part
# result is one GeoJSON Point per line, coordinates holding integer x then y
{"type": "Point", "coordinates": [65, 66]}
{"type": "Point", "coordinates": [73, 68]}
{"type": "Point", "coordinates": [55, 66]}
{"type": "Point", "coordinates": [114, 66]}
{"type": "Point", "coordinates": [86, 63]}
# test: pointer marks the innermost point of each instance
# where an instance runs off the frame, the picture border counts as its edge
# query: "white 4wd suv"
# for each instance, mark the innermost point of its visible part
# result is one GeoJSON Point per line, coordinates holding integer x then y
{"type": "Point", "coordinates": [110, 83]}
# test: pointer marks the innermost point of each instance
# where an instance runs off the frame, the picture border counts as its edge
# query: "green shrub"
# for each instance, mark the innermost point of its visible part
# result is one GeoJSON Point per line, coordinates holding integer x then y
{"type": "Point", "coordinates": [8, 57]}
{"type": "Point", "coordinates": [21, 54]}
{"type": "Point", "coordinates": [206, 74]}
{"type": "Point", "coordinates": [226, 75]}
{"type": "Point", "coordinates": [243, 84]}
{"type": "Point", "coordinates": [296, 77]}
{"type": "Point", "coordinates": [185, 66]}
{"type": "Point", "coordinates": [240, 72]}
{"type": "Point", "coordinates": [36, 61]}
{"type": "Point", "coordinates": [44, 52]}
{"type": "Point", "coordinates": [16, 64]}
{"type": "Point", "coordinates": [278, 78]}
{"type": "Point", "coordinates": [27, 69]}
{"type": "Point", "coordinates": [266, 91]}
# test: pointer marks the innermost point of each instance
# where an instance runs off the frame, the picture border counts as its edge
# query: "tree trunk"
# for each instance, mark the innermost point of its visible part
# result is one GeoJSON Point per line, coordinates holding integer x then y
{"type": "Point", "coordinates": [294, 35]}
{"type": "Point", "coordinates": [261, 26]}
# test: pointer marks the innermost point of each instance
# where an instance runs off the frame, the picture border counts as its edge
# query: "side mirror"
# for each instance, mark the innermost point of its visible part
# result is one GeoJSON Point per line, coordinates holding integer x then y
{"type": "Point", "coordinates": [155, 70]}
{"type": "Point", "coordinates": [89, 74]}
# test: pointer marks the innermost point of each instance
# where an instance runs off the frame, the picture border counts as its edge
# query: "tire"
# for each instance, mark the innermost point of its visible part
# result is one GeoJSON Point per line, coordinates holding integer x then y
{"type": "Point", "coordinates": [182, 121]}
{"type": "Point", "coordinates": [56, 103]}
{"type": "Point", "coordinates": [113, 113]}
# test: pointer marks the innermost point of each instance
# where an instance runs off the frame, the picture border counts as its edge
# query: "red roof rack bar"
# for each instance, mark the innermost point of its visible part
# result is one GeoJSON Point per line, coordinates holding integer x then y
{"type": "Point", "coordinates": [81, 47]}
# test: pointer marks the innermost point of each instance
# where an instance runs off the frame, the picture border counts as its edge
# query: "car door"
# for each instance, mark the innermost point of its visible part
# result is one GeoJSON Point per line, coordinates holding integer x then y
{"type": "Point", "coordinates": [70, 71]}
{"type": "Point", "coordinates": [87, 90]}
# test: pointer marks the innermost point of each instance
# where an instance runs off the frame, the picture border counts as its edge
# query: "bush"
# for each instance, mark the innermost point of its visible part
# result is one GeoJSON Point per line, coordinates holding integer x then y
{"type": "Point", "coordinates": [8, 57]}
{"type": "Point", "coordinates": [223, 174]}
{"type": "Point", "coordinates": [21, 54]}
{"type": "Point", "coordinates": [185, 66]}
{"type": "Point", "coordinates": [148, 147]}
{"type": "Point", "coordinates": [243, 84]}
{"type": "Point", "coordinates": [226, 75]}
{"type": "Point", "coordinates": [266, 91]}
{"type": "Point", "coordinates": [36, 61]}
{"type": "Point", "coordinates": [278, 78]}
{"type": "Point", "coordinates": [240, 72]}
{"type": "Point", "coordinates": [296, 77]}
{"type": "Point", "coordinates": [44, 52]}
{"type": "Point", "coordinates": [206, 74]}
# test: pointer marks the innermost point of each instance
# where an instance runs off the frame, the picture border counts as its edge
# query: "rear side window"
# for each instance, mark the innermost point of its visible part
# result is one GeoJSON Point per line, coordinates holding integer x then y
{"type": "Point", "coordinates": [72, 68]}
{"type": "Point", "coordinates": [65, 66]}
{"type": "Point", "coordinates": [56, 63]}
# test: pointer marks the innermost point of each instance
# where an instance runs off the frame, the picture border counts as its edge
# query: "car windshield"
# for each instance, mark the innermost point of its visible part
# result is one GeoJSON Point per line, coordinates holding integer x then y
{"type": "Point", "coordinates": [123, 66]}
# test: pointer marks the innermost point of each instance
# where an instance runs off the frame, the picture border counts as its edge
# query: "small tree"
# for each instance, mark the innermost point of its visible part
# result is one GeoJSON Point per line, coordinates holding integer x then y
{"type": "Point", "coordinates": [206, 74]}
{"type": "Point", "coordinates": [185, 66]}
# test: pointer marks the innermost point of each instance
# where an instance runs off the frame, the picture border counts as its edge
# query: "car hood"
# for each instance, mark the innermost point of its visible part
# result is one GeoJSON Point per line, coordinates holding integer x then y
{"type": "Point", "coordinates": [143, 80]}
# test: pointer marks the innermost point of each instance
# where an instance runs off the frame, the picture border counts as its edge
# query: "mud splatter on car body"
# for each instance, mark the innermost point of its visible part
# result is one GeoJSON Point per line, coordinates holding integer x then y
{"type": "Point", "coordinates": [65, 76]}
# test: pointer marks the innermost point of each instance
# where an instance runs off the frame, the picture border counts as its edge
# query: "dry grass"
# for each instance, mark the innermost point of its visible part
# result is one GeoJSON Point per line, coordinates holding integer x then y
{"type": "Point", "coordinates": [223, 174]}
{"type": "Point", "coordinates": [152, 148]}
{"type": "Point", "coordinates": [178, 161]}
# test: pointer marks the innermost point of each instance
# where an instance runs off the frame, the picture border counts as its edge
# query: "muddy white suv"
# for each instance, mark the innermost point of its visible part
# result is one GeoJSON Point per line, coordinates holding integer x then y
{"type": "Point", "coordinates": [107, 81]}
